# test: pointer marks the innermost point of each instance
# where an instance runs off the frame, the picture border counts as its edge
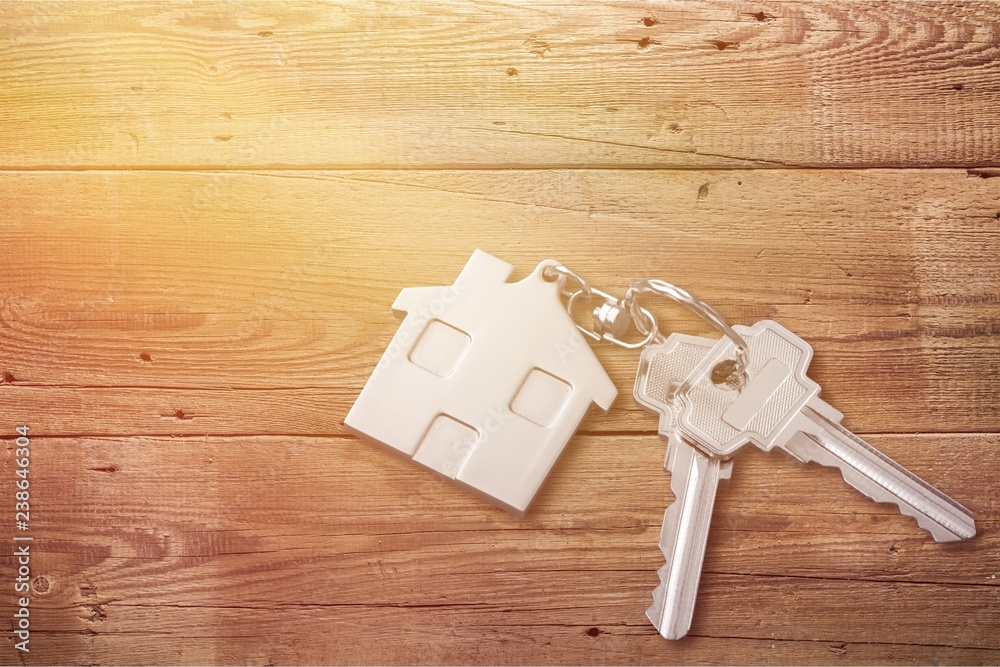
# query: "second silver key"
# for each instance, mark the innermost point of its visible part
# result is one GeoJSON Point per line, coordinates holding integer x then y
{"type": "Point", "coordinates": [780, 408]}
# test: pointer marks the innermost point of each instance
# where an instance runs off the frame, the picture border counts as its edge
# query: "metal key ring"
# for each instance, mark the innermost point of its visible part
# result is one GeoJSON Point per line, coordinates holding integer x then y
{"type": "Point", "coordinates": [553, 271]}
{"type": "Point", "coordinates": [696, 305]}
{"type": "Point", "coordinates": [646, 325]}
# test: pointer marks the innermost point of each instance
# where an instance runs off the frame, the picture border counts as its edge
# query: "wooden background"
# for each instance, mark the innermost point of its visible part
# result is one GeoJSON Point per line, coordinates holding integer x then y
{"type": "Point", "coordinates": [206, 210]}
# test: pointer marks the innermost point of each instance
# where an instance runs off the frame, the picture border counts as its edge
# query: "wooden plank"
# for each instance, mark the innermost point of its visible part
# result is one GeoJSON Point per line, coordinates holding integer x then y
{"type": "Point", "coordinates": [486, 84]}
{"type": "Point", "coordinates": [459, 635]}
{"type": "Point", "coordinates": [156, 481]}
{"type": "Point", "coordinates": [238, 549]}
{"type": "Point", "coordinates": [420, 640]}
{"type": "Point", "coordinates": [207, 307]}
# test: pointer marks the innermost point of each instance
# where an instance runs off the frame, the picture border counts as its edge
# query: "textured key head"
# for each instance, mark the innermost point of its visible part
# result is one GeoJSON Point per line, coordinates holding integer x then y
{"type": "Point", "coordinates": [662, 368]}
{"type": "Point", "coordinates": [721, 420]}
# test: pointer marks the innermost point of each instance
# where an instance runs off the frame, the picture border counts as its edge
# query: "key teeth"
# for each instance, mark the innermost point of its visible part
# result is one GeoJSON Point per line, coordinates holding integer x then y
{"type": "Point", "coordinates": [666, 548]}
{"type": "Point", "coordinates": [655, 614]}
{"type": "Point", "coordinates": [667, 631]}
{"type": "Point", "coordinates": [687, 466]}
{"type": "Point", "coordinates": [807, 450]}
{"type": "Point", "coordinates": [880, 495]}
{"type": "Point", "coordinates": [945, 536]}
{"type": "Point", "coordinates": [655, 610]}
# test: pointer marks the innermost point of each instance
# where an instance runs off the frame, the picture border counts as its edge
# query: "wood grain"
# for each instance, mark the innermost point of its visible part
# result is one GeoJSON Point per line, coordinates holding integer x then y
{"type": "Point", "coordinates": [206, 210]}
{"type": "Point", "coordinates": [448, 84]}
{"type": "Point", "coordinates": [247, 539]}
{"type": "Point", "coordinates": [238, 318]}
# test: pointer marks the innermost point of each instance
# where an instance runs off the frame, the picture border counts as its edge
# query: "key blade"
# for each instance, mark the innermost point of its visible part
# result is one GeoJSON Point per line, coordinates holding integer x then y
{"type": "Point", "coordinates": [823, 440]}
{"type": "Point", "coordinates": [694, 479]}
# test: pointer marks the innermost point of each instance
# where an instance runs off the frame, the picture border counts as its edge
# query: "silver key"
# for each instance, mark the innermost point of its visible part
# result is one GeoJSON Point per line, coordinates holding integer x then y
{"type": "Point", "coordinates": [694, 478]}
{"type": "Point", "coordinates": [779, 407]}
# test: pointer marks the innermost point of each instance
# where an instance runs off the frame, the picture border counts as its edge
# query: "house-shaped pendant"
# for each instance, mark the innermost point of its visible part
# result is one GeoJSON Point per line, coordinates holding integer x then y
{"type": "Point", "coordinates": [484, 382]}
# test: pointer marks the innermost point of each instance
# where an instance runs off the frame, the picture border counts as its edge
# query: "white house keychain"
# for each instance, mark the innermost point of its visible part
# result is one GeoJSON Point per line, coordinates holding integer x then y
{"type": "Point", "coordinates": [486, 381]}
